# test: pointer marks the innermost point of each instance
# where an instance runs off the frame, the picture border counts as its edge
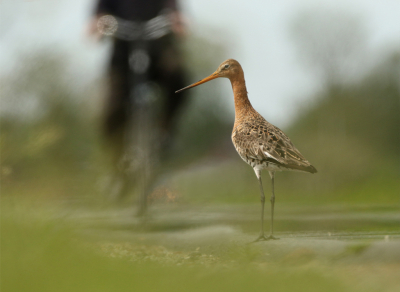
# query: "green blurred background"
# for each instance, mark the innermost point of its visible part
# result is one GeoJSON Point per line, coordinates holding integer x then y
{"type": "Point", "coordinates": [61, 232]}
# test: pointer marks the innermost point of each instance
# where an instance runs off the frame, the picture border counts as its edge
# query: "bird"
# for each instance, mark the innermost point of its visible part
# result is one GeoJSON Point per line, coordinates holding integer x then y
{"type": "Point", "coordinates": [259, 143]}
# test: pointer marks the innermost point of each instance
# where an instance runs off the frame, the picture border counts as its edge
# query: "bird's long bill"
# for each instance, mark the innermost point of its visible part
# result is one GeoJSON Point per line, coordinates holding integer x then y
{"type": "Point", "coordinates": [211, 77]}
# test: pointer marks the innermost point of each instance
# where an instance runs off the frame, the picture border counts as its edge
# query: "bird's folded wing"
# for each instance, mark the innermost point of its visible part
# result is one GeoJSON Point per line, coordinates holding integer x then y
{"type": "Point", "coordinates": [271, 146]}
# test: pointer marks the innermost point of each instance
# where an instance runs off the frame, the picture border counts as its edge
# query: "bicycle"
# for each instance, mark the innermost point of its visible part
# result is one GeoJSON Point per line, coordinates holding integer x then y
{"type": "Point", "coordinates": [141, 153]}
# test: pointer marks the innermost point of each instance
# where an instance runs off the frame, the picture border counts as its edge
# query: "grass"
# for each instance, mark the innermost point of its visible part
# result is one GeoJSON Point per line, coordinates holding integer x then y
{"type": "Point", "coordinates": [47, 256]}
{"type": "Point", "coordinates": [43, 254]}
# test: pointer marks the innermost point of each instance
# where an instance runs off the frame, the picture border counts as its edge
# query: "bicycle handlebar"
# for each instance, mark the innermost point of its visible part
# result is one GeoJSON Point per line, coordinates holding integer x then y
{"type": "Point", "coordinates": [119, 28]}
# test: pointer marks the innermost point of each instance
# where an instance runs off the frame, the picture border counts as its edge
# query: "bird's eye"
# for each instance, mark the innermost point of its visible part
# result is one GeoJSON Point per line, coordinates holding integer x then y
{"type": "Point", "coordinates": [226, 66]}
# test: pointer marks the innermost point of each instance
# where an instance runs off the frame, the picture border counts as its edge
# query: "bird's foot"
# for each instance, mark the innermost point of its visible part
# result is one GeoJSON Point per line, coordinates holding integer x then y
{"type": "Point", "coordinates": [263, 238]}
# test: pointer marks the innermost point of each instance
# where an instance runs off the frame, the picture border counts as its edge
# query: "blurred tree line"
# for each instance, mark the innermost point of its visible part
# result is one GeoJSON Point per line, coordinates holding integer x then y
{"type": "Point", "coordinates": [46, 129]}
{"type": "Point", "coordinates": [351, 133]}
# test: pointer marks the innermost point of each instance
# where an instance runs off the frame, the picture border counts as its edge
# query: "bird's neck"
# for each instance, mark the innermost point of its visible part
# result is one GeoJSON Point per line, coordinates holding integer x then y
{"type": "Point", "coordinates": [242, 102]}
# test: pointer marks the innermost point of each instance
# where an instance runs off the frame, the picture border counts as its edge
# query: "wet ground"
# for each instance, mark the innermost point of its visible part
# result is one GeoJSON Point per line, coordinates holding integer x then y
{"type": "Point", "coordinates": [335, 233]}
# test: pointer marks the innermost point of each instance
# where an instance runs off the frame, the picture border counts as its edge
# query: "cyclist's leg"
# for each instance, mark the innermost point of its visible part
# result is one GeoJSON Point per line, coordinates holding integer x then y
{"type": "Point", "coordinates": [116, 116]}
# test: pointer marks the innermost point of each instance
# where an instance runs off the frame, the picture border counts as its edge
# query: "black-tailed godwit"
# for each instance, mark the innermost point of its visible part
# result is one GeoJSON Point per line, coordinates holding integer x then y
{"type": "Point", "coordinates": [259, 143]}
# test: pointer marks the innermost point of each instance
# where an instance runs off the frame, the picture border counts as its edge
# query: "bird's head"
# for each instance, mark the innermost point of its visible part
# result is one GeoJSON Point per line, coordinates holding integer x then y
{"type": "Point", "coordinates": [228, 69]}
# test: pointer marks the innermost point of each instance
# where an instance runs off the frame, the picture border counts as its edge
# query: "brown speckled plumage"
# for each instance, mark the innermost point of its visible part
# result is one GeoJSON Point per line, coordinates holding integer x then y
{"type": "Point", "coordinates": [264, 146]}
{"type": "Point", "coordinates": [259, 143]}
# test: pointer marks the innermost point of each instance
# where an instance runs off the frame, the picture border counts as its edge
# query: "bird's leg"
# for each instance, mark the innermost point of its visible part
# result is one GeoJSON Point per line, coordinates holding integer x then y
{"type": "Point", "coordinates": [271, 236]}
{"type": "Point", "coordinates": [262, 236]}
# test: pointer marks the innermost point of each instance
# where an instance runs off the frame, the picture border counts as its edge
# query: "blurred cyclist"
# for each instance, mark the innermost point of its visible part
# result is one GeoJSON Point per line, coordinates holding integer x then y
{"type": "Point", "coordinates": [165, 69]}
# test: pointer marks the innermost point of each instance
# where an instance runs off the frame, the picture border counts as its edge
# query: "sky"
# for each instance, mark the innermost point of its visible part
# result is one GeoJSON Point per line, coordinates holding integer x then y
{"type": "Point", "coordinates": [257, 33]}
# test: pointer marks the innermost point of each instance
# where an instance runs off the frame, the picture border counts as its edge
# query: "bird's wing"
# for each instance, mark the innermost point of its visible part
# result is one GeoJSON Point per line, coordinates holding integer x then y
{"type": "Point", "coordinates": [265, 142]}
